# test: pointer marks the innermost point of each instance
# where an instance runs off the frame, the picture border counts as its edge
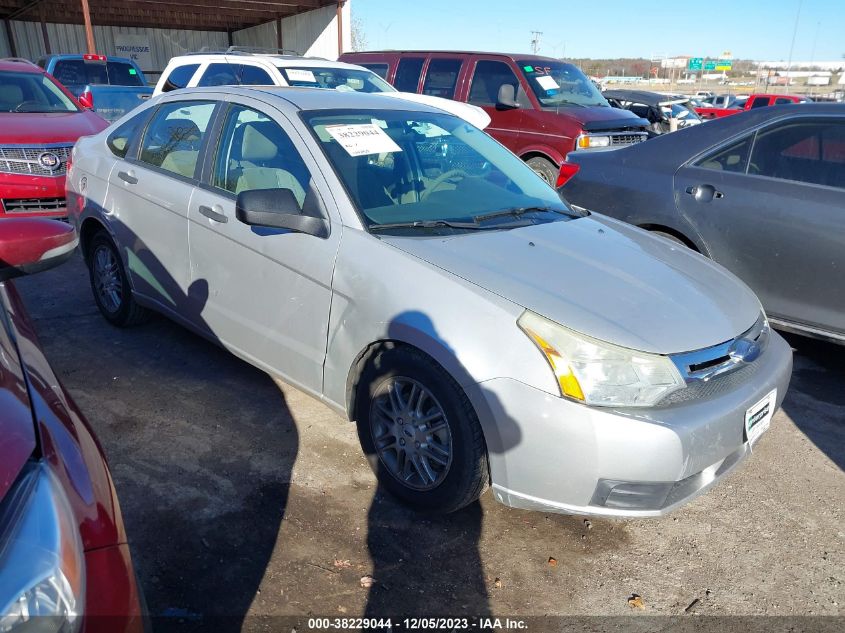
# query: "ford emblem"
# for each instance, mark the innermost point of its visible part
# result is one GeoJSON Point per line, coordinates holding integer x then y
{"type": "Point", "coordinates": [744, 350]}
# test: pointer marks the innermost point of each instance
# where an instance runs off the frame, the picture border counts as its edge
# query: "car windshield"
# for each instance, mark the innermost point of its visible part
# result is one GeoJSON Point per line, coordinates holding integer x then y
{"type": "Point", "coordinates": [417, 170]}
{"type": "Point", "coordinates": [32, 92]}
{"type": "Point", "coordinates": [342, 79]}
{"type": "Point", "coordinates": [558, 84]}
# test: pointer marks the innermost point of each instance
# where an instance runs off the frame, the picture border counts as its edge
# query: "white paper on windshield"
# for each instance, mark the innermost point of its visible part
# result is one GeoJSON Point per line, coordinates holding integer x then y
{"type": "Point", "coordinates": [362, 139]}
{"type": "Point", "coordinates": [547, 83]}
{"type": "Point", "coordinates": [295, 74]}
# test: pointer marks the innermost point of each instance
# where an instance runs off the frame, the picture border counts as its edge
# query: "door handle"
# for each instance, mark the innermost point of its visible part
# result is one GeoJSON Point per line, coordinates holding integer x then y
{"type": "Point", "coordinates": [704, 193]}
{"type": "Point", "coordinates": [128, 177]}
{"type": "Point", "coordinates": [215, 214]}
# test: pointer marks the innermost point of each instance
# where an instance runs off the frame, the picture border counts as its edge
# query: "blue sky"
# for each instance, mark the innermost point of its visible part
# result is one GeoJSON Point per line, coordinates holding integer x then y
{"type": "Point", "coordinates": [750, 29]}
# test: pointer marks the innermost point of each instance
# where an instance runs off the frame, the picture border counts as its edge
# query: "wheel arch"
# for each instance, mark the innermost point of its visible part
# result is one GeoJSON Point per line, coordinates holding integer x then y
{"type": "Point", "coordinates": [434, 350]}
{"type": "Point", "coordinates": [88, 229]}
{"type": "Point", "coordinates": [662, 228]}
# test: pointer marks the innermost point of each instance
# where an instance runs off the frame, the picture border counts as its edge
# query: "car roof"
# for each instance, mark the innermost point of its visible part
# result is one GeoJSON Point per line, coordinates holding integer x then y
{"type": "Point", "coordinates": [19, 65]}
{"type": "Point", "coordinates": [317, 98]}
{"type": "Point", "coordinates": [109, 58]}
{"type": "Point", "coordinates": [668, 151]}
{"type": "Point", "coordinates": [275, 59]}
{"type": "Point", "coordinates": [522, 57]}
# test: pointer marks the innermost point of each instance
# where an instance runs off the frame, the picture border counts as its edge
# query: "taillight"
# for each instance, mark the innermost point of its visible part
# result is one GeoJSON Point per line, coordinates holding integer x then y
{"type": "Point", "coordinates": [567, 170]}
{"type": "Point", "coordinates": [87, 100]}
{"type": "Point", "coordinates": [94, 58]}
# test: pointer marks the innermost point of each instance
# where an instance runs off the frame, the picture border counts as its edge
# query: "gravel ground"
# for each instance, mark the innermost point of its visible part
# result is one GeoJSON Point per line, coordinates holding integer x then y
{"type": "Point", "coordinates": [242, 497]}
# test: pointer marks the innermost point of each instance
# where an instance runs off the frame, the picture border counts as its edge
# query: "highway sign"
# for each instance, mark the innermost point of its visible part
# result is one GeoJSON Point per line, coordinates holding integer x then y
{"type": "Point", "coordinates": [710, 65]}
{"type": "Point", "coordinates": [724, 64]}
{"type": "Point", "coordinates": [695, 63]}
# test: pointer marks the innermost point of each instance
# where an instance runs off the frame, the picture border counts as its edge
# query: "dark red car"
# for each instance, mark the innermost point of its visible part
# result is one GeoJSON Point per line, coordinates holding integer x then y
{"type": "Point", "coordinates": [39, 123]}
{"type": "Point", "coordinates": [540, 108]}
{"type": "Point", "coordinates": [64, 560]}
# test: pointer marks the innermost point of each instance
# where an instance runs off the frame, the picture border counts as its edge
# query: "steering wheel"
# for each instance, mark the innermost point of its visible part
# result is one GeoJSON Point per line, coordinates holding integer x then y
{"type": "Point", "coordinates": [23, 103]}
{"type": "Point", "coordinates": [441, 180]}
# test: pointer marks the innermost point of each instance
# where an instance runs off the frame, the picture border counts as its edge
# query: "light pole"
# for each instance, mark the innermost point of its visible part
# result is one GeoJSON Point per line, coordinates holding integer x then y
{"type": "Point", "coordinates": [792, 45]}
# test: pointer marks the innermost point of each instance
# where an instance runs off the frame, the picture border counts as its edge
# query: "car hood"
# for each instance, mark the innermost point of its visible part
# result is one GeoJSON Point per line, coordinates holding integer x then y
{"type": "Point", "coordinates": [23, 128]}
{"type": "Point", "coordinates": [602, 278]}
{"type": "Point", "coordinates": [468, 112]}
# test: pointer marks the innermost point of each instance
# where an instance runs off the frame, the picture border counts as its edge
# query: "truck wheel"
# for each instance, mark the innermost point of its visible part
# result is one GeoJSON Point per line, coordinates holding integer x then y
{"type": "Point", "coordinates": [110, 284]}
{"type": "Point", "coordinates": [546, 169]}
{"type": "Point", "coordinates": [419, 431]}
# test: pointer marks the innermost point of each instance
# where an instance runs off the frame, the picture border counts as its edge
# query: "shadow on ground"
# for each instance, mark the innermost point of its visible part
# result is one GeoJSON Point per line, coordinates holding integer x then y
{"type": "Point", "coordinates": [816, 392]}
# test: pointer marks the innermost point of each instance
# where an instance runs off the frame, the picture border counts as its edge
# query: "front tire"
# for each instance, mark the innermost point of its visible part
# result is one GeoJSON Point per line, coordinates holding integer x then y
{"type": "Point", "coordinates": [544, 168]}
{"type": "Point", "coordinates": [419, 431]}
{"type": "Point", "coordinates": [110, 284]}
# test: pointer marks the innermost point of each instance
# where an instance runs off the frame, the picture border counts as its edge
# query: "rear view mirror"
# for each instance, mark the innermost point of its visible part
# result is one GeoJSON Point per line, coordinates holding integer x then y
{"type": "Point", "coordinates": [507, 98]}
{"type": "Point", "coordinates": [30, 245]}
{"type": "Point", "coordinates": [278, 209]}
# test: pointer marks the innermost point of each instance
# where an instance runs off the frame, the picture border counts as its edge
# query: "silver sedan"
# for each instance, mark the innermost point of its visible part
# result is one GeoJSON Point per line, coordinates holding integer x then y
{"type": "Point", "coordinates": [400, 265]}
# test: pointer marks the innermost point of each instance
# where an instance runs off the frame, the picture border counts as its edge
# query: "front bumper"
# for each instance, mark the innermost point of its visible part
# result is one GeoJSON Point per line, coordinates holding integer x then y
{"type": "Point", "coordinates": [18, 187]}
{"type": "Point", "coordinates": [112, 596]}
{"type": "Point", "coordinates": [551, 454]}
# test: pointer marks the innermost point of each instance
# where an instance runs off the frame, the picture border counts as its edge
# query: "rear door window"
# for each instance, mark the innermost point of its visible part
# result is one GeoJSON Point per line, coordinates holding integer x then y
{"type": "Point", "coordinates": [174, 136]}
{"type": "Point", "coordinates": [783, 100]}
{"type": "Point", "coordinates": [122, 74]}
{"type": "Point", "coordinates": [379, 69]}
{"type": "Point", "coordinates": [812, 152]}
{"type": "Point", "coordinates": [759, 102]}
{"type": "Point", "coordinates": [179, 77]}
{"type": "Point", "coordinates": [441, 77]}
{"type": "Point", "coordinates": [487, 78]}
{"type": "Point", "coordinates": [408, 74]}
{"type": "Point", "coordinates": [733, 158]}
{"type": "Point", "coordinates": [250, 75]}
{"type": "Point", "coordinates": [219, 74]}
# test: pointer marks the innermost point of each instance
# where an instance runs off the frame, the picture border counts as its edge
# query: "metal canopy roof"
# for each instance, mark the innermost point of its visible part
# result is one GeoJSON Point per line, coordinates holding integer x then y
{"type": "Point", "coordinates": [205, 15]}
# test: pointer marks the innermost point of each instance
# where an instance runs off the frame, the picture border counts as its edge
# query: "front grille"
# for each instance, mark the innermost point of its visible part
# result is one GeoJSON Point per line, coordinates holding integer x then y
{"type": "Point", "coordinates": [25, 160]}
{"type": "Point", "coordinates": [714, 370]}
{"type": "Point", "coordinates": [618, 140]}
{"type": "Point", "coordinates": [32, 205]}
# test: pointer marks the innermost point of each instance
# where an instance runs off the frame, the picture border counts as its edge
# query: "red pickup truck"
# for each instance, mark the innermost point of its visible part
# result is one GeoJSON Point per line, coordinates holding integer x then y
{"type": "Point", "coordinates": [754, 101]}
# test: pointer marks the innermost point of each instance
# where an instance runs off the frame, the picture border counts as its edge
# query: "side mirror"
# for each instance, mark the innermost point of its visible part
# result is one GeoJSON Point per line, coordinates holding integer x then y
{"type": "Point", "coordinates": [30, 245]}
{"type": "Point", "coordinates": [86, 100]}
{"type": "Point", "coordinates": [506, 99]}
{"type": "Point", "coordinates": [278, 209]}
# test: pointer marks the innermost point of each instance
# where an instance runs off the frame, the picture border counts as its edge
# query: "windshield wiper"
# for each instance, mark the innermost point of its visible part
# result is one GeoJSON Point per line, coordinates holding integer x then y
{"type": "Point", "coordinates": [560, 102]}
{"type": "Point", "coordinates": [520, 211]}
{"type": "Point", "coordinates": [427, 224]}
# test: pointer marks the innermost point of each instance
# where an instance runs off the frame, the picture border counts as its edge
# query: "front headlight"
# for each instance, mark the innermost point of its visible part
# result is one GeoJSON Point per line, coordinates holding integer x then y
{"type": "Point", "coordinates": [599, 373]}
{"type": "Point", "coordinates": [42, 568]}
{"type": "Point", "coordinates": [589, 141]}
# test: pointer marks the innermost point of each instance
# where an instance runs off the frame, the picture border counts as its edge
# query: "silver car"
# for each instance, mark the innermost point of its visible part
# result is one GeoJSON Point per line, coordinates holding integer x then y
{"type": "Point", "coordinates": [403, 267]}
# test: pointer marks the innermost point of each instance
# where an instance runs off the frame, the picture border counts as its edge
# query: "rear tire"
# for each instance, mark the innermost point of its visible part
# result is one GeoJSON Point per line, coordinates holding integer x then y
{"type": "Point", "coordinates": [544, 168]}
{"type": "Point", "coordinates": [420, 432]}
{"type": "Point", "coordinates": [110, 284]}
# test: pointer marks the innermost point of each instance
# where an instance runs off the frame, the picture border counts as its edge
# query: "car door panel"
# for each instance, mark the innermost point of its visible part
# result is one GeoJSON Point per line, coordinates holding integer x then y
{"type": "Point", "coordinates": [148, 204]}
{"type": "Point", "coordinates": [264, 293]}
{"type": "Point", "coordinates": [785, 239]}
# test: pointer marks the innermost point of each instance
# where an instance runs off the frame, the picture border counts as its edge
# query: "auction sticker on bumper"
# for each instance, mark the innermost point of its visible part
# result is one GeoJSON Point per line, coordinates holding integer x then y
{"type": "Point", "coordinates": [758, 417]}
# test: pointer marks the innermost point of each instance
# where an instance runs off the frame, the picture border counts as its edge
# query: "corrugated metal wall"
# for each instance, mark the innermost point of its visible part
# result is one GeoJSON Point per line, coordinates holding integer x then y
{"type": "Point", "coordinates": [70, 38]}
{"type": "Point", "coordinates": [311, 33]}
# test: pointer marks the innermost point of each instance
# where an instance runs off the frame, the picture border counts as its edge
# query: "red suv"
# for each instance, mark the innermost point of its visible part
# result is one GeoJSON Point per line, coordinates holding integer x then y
{"type": "Point", "coordinates": [541, 108]}
{"type": "Point", "coordinates": [39, 123]}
